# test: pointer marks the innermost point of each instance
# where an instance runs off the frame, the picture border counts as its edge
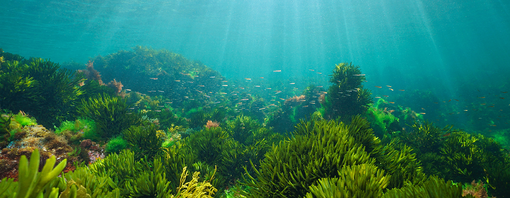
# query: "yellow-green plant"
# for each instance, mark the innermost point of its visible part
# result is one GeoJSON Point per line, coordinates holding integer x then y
{"type": "Point", "coordinates": [364, 180]}
{"type": "Point", "coordinates": [31, 182]}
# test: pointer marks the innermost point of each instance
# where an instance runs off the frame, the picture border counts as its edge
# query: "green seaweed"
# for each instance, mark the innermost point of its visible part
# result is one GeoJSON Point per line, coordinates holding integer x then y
{"type": "Point", "coordinates": [110, 114]}
{"type": "Point", "coordinates": [144, 141]}
{"type": "Point", "coordinates": [346, 96]}
{"type": "Point", "coordinates": [41, 88]}
{"type": "Point", "coordinates": [31, 182]}
{"type": "Point", "coordinates": [364, 180]}
{"type": "Point", "coordinates": [322, 149]}
{"type": "Point", "coordinates": [116, 145]}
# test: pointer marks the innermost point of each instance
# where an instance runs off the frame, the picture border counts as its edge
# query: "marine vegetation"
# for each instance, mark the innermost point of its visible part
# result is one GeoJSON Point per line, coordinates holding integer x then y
{"type": "Point", "coordinates": [77, 130]}
{"type": "Point", "coordinates": [148, 178]}
{"type": "Point", "coordinates": [145, 141]}
{"type": "Point", "coordinates": [31, 182]}
{"type": "Point", "coordinates": [230, 147]}
{"type": "Point", "coordinates": [25, 141]}
{"type": "Point", "coordinates": [346, 96]}
{"type": "Point", "coordinates": [323, 149]}
{"type": "Point", "coordinates": [116, 145]}
{"type": "Point", "coordinates": [111, 114]}
{"type": "Point", "coordinates": [41, 88]}
{"type": "Point", "coordinates": [159, 72]}
{"type": "Point", "coordinates": [155, 107]}
{"type": "Point", "coordinates": [457, 155]}
{"type": "Point", "coordinates": [295, 108]}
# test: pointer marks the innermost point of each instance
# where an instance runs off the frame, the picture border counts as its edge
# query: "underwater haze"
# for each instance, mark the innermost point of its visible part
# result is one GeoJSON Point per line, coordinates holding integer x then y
{"type": "Point", "coordinates": [412, 43]}
{"type": "Point", "coordinates": [255, 98]}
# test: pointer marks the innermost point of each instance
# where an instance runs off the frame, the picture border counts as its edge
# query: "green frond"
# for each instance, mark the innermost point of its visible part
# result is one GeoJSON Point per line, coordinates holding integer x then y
{"type": "Point", "coordinates": [364, 180]}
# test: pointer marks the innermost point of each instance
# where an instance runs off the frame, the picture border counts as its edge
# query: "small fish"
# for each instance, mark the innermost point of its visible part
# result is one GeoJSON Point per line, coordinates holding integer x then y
{"type": "Point", "coordinates": [225, 81]}
{"type": "Point", "coordinates": [247, 78]}
{"type": "Point", "coordinates": [245, 99]}
{"type": "Point", "coordinates": [261, 77]}
{"type": "Point", "coordinates": [392, 102]}
{"type": "Point", "coordinates": [161, 91]}
{"type": "Point", "coordinates": [257, 85]}
{"type": "Point", "coordinates": [501, 98]}
{"type": "Point", "coordinates": [177, 80]}
{"type": "Point", "coordinates": [319, 86]}
{"type": "Point", "coordinates": [482, 97]}
{"type": "Point", "coordinates": [223, 93]}
{"type": "Point", "coordinates": [388, 86]}
{"type": "Point", "coordinates": [378, 97]}
{"type": "Point", "coordinates": [292, 83]}
{"type": "Point", "coordinates": [201, 85]}
{"type": "Point", "coordinates": [391, 89]}
{"type": "Point", "coordinates": [128, 89]}
{"type": "Point", "coordinates": [212, 77]}
{"type": "Point", "coordinates": [319, 73]}
{"type": "Point", "coordinates": [378, 86]}
{"type": "Point", "coordinates": [422, 113]}
{"type": "Point", "coordinates": [504, 92]}
{"type": "Point", "coordinates": [446, 135]}
{"type": "Point", "coordinates": [277, 70]}
{"type": "Point", "coordinates": [277, 92]}
{"type": "Point", "coordinates": [157, 110]}
{"type": "Point", "coordinates": [311, 69]}
{"type": "Point", "coordinates": [268, 88]}
{"type": "Point", "coordinates": [401, 89]}
{"type": "Point", "coordinates": [154, 78]}
{"type": "Point", "coordinates": [386, 96]}
{"type": "Point", "coordinates": [225, 85]}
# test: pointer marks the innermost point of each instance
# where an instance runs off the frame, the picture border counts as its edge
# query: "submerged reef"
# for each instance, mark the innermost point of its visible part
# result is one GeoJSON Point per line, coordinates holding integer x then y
{"type": "Point", "coordinates": [163, 119]}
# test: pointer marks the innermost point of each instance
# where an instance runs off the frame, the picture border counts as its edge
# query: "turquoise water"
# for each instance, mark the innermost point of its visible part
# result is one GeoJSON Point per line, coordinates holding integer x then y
{"type": "Point", "coordinates": [455, 48]}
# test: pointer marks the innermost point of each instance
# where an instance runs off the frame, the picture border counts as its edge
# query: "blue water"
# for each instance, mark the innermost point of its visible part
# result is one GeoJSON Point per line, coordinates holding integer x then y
{"type": "Point", "coordinates": [440, 45]}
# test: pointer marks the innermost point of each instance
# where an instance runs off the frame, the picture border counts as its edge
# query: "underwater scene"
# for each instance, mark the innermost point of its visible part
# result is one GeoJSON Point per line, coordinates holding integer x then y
{"type": "Point", "coordinates": [254, 98]}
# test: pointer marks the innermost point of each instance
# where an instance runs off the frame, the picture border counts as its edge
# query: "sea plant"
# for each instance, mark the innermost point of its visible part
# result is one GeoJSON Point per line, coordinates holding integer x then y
{"type": "Point", "coordinates": [31, 182]}
{"type": "Point", "coordinates": [364, 180]}
{"type": "Point", "coordinates": [346, 96]}
{"type": "Point", "coordinates": [41, 88]}
{"type": "Point", "coordinates": [116, 145]}
{"type": "Point", "coordinates": [321, 149]}
{"type": "Point", "coordinates": [110, 113]}
{"type": "Point", "coordinates": [144, 140]}
{"type": "Point", "coordinates": [316, 151]}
